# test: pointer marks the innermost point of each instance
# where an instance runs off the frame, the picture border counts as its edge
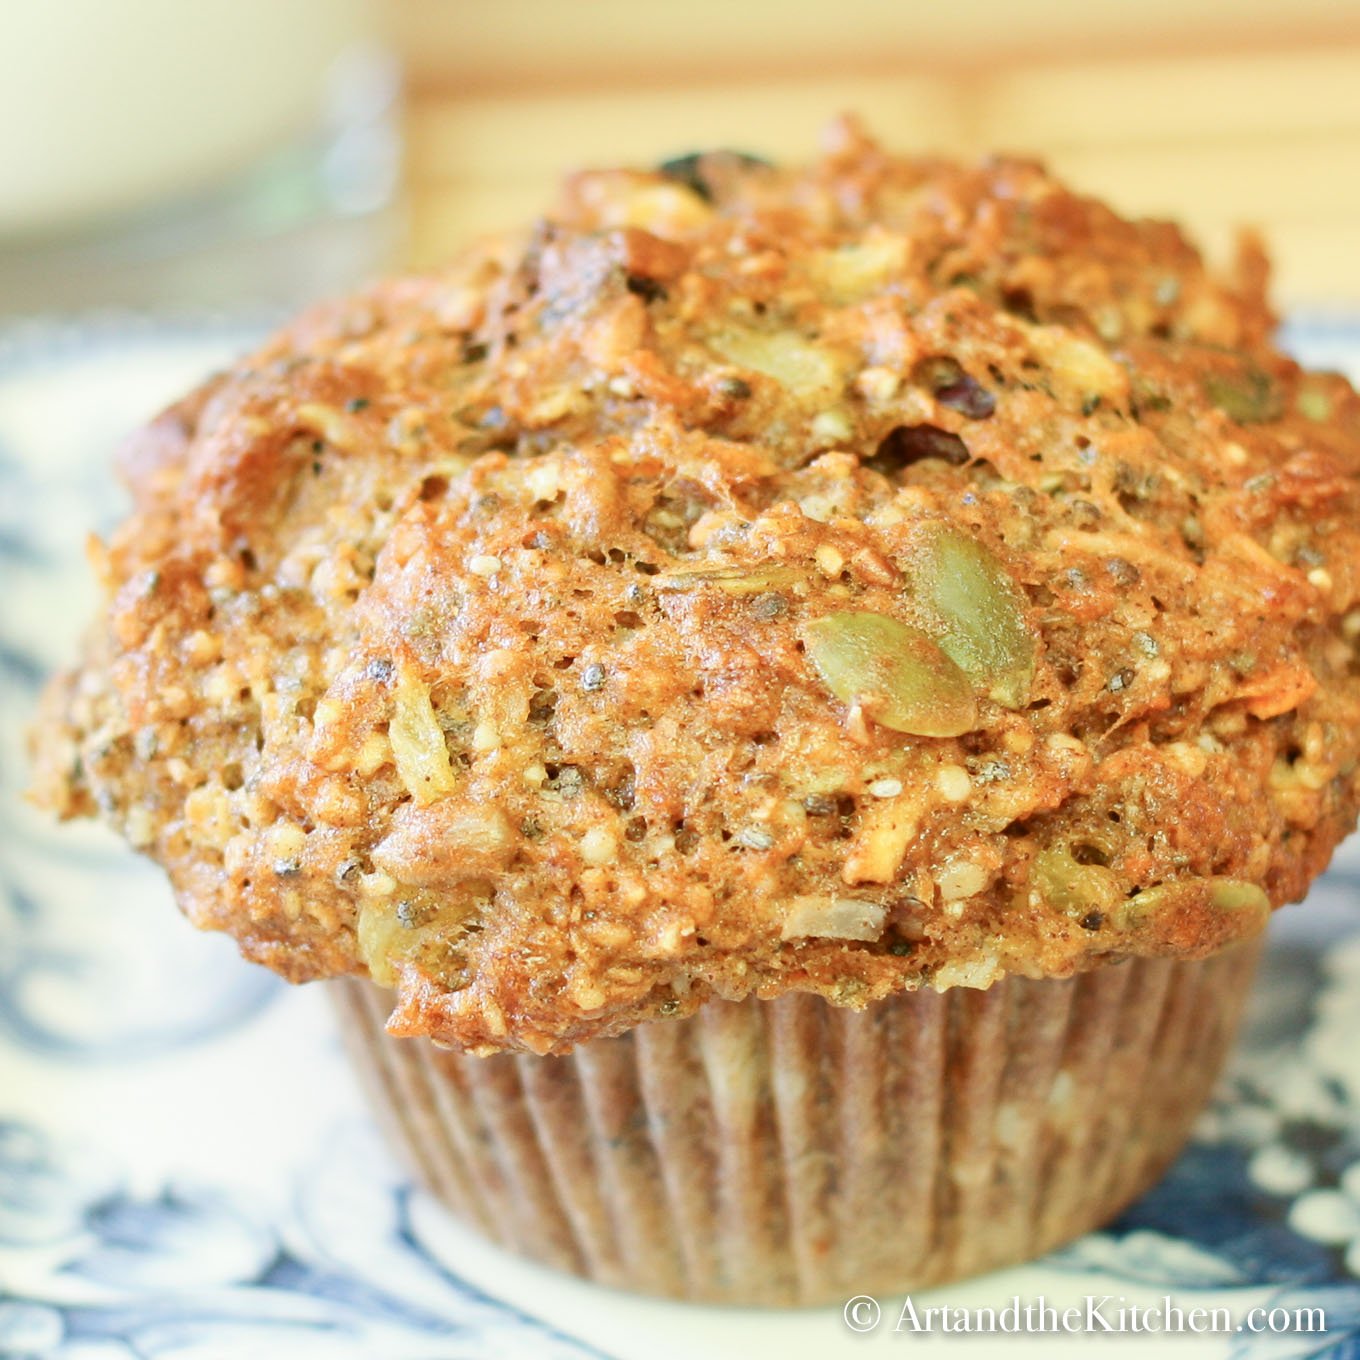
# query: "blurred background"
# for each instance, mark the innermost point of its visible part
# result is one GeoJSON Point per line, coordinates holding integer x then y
{"type": "Point", "coordinates": [181, 154]}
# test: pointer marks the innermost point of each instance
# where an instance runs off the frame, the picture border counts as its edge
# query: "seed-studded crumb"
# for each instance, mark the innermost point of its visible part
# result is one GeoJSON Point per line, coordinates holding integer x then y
{"type": "Point", "coordinates": [878, 575]}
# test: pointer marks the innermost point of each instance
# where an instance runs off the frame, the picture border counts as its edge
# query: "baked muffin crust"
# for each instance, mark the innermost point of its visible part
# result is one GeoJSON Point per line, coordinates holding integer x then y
{"type": "Point", "coordinates": [881, 574]}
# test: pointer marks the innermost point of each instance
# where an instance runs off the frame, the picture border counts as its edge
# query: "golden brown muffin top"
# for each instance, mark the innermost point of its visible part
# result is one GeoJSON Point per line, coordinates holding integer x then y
{"type": "Point", "coordinates": [883, 574]}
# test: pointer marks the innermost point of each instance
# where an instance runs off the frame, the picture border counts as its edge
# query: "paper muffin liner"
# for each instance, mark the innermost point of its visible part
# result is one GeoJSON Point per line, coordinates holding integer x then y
{"type": "Point", "coordinates": [790, 1152]}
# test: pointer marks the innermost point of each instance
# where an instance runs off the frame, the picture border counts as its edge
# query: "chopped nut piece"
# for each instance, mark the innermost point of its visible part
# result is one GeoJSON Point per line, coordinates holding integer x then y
{"type": "Point", "coordinates": [731, 580]}
{"type": "Point", "coordinates": [829, 561]}
{"type": "Point", "coordinates": [833, 918]}
{"type": "Point", "coordinates": [886, 831]}
{"type": "Point", "coordinates": [1082, 366]}
{"type": "Point", "coordinates": [485, 737]}
{"type": "Point", "coordinates": [598, 846]}
{"type": "Point", "coordinates": [832, 427]}
{"type": "Point", "coordinates": [803, 366]}
{"type": "Point", "coordinates": [417, 740]}
{"type": "Point", "coordinates": [854, 271]}
{"type": "Point", "coordinates": [960, 880]}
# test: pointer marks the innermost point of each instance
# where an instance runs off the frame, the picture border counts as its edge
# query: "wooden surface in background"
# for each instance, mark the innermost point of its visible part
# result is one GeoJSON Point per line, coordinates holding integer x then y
{"type": "Point", "coordinates": [1182, 114]}
{"type": "Point", "coordinates": [584, 44]}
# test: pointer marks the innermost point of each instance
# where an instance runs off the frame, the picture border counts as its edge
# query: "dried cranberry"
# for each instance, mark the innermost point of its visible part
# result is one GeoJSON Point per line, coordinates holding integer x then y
{"type": "Point", "coordinates": [954, 388]}
{"type": "Point", "coordinates": [649, 290]}
{"type": "Point", "coordinates": [968, 397]}
{"type": "Point", "coordinates": [908, 444]}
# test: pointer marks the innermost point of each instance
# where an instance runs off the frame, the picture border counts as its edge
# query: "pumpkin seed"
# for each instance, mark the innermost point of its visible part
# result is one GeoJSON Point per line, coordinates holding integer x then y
{"type": "Point", "coordinates": [1315, 404]}
{"type": "Point", "coordinates": [1249, 397]}
{"type": "Point", "coordinates": [1070, 886]}
{"type": "Point", "coordinates": [978, 615]}
{"type": "Point", "coordinates": [897, 674]}
{"type": "Point", "coordinates": [1230, 895]}
{"type": "Point", "coordinates": [1234, 894]}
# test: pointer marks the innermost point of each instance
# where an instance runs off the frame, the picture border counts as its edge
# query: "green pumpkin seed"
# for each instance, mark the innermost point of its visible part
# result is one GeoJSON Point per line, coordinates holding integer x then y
{"type": "Point", "coordinates": [978, 614]}
{"type": "Point", "coordinates": [1249, 397]}
{"type": "Point", "coordinates": [899, 676]}
{"type": "Point", "coordinates": [1073, 887]}
{"type": "Point", "coordinates": [1233, 894]}
{"type": "Point", "coordinates": [1314, 404]}
{"type": "Point", "coordinates": [1223, 894]}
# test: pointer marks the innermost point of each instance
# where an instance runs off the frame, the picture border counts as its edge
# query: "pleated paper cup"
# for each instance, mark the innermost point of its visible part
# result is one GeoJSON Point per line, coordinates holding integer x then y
{"type": "Point", "coordinates": [790, 1152]}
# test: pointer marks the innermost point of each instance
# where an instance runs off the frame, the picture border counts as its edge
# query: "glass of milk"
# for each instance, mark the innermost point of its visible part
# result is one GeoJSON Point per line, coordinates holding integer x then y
{"type": "Point", "coordinates": [180, 153]}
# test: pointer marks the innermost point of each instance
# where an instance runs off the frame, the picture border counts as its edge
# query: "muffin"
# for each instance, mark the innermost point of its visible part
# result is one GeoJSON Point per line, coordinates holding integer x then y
{"type": "Point", "coordinates": [786, 696]}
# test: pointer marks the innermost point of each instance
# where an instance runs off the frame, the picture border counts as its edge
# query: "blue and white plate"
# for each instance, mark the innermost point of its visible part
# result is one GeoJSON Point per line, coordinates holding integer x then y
{"type": "Point", "coordinates": [187, 1169]}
